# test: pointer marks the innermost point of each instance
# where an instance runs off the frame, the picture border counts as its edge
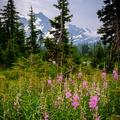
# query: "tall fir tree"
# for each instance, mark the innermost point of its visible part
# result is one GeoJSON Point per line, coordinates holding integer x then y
{"type": "Point", "coordinates": [60, 43]}
{"type": "Point", "coordinates": [12, 30]}
{"type": "Point", "coordinates": [110, 16]}
{"type": "Point", "coordinates": [32, 39]}
{"type": "Point", "coordinates": [32, 45]}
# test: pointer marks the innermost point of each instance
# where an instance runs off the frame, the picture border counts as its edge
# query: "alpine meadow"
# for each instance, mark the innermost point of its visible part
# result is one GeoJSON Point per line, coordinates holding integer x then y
{"type": "Point", "coordinates": [53, 70]}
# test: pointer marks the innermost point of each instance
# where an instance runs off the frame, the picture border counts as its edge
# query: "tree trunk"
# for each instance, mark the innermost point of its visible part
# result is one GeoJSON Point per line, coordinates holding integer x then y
{"type": "Point", "coordinates": [117, 40]}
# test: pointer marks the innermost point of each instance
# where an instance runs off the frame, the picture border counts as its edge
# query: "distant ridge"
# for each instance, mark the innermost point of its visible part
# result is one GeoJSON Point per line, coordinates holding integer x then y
{"type": "Point", "coordinates": [79, 35]}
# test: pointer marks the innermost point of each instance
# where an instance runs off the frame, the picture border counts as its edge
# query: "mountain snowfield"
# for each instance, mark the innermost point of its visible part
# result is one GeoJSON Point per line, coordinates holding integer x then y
{"type": "Point", "coordinates": [78, 35]}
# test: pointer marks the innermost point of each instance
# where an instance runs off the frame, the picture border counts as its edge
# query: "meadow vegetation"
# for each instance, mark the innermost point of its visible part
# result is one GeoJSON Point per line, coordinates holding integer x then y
{"type": "Point", "coordinates": [41, 92]}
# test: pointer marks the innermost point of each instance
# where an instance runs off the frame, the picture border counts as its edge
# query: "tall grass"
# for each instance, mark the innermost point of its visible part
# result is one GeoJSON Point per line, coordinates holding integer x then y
{"type": "Point", "coordinates": [29, 94]}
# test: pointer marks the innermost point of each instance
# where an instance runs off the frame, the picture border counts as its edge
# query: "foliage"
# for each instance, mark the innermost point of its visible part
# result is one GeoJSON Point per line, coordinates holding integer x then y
{"type": "Point", "coordinates": [110, 16]}
{"type": "Point", "coordinates": [37, 95]}
{"type": "Point", "coordinates": [12, 36]}
{"type": "Point", "coordinates": [60, 42]}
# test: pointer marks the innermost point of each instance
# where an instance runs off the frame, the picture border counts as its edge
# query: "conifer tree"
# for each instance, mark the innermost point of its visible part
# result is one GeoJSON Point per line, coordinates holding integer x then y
{"type": "Point", "coordinates": [60, 42]}
{"type": "Point", "coordinates": [32, 39]}
{"type": "Point", "coordinates": [12, 31]}
{"type": "Point", "coordinates": [32, 44]}
{"type": "Point", "coordinates": [110, 16]}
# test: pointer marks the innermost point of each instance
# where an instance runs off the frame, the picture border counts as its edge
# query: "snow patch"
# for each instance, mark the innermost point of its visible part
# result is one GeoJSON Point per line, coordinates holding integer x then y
{"type": "Point", "coordinates": [92, 34]}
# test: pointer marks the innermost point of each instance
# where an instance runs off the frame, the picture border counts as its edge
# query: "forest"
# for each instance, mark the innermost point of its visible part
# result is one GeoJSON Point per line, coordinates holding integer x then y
{"type": "Point", "coordinates": [53, 79]}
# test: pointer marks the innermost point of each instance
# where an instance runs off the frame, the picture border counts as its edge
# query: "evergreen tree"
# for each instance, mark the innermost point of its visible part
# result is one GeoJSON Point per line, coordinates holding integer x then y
{"type": "Point", "coordinates": [110, 16]}
{"type": "Point", "coordinates": [40, 39]}
{"type": "Point", "coordinates": [12, 31]}
{"type": "Point", "coordinates": [60, 42]}
{"type": "Point", "coordinates": [32, 39]}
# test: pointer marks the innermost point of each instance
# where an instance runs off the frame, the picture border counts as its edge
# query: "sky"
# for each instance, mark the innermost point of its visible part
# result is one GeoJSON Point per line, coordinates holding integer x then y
{"type": "Point", "coordinates": [84, 11]}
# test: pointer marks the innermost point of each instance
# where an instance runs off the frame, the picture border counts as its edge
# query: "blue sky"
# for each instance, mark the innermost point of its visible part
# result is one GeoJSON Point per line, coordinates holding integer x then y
{"type": "Point", "coordinates": [84, 11]}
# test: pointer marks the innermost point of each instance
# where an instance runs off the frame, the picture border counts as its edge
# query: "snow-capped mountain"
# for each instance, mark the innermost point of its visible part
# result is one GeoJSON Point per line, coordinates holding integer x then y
{"type": "Point", "coordinates": [79, 35]}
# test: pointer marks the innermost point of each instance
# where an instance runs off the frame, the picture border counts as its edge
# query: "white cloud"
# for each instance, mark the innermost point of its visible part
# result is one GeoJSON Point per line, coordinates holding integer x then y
{"type": "Point", "coordinates": [84, 11]}
{"type": "Point", "coordinates": [92, 34]}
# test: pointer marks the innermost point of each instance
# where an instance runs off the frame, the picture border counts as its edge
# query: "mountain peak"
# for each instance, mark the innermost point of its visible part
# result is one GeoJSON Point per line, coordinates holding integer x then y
{"type": "Point", "coordinates": [41, 15]}
{"type": "Point", "coordinates": [79, 34]}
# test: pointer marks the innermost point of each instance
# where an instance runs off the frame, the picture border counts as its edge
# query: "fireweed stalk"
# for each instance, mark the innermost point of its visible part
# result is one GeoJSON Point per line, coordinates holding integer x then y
{"type": "Point", "coordinates": [115, 75]}
{"type": "Point", "coordinates": [93, 105]}
{"type": "Point", "coordinates": [79, 75]}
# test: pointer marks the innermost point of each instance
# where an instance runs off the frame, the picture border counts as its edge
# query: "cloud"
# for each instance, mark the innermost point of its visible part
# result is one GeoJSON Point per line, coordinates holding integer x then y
{"type": "Point", "coordinates": [84, 11]}
{"type": "Point", "coordinates": [92, 34]}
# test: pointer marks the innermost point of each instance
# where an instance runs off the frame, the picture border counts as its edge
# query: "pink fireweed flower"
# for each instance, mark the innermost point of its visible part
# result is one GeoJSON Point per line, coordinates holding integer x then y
{"type": "Point", "coordinates": [70, 79]}
{"type": "Point", "coordinates": [66, 107]}
{"type": "Point", "coordinates": [15, 104]}
{"type": "Point", "coordinates": [28, 91]}
{"type": "Point", "coordinates": [103, 75]}
{"type": "Point", "coordinates": [79, 90]}
{"type": "Point", "coordinates": [49, 82]}
{"type": "Point", "coordinates": [46, 116]}
{"type": "Point", "coordinates": [60, 78]}
{"type": "Point", "coordinates": [59, 98]}
{"type": "Point", "coordinates": [84, 84]}
{"type": "Point", "coordinates": [97, 88]}
{"type": "Point", "coordinates": [97, 118]}
{"type": "Point", "coordinates": [79, 75]}
{"type": "Point", "coordinates": [75, 104]}
{"type": "Point", "coordinates": [19, 94]}
{"type": "Point", "coordinates": [115, 75]}
{"type": "Point", "coordinates": [65, 83]}
{"type": "Point", "coordinates": [71, 99]}
{"type": "Point", "coordinates": [86, 94]}
{"type": "Point", "coordinates": [68, 94]}
{"type": "Point", "coordinates": [76, 97]}
{"type": "Point", "coordinates": [93, 102]}
{"type": "Point", "coordinates": [105, 85]}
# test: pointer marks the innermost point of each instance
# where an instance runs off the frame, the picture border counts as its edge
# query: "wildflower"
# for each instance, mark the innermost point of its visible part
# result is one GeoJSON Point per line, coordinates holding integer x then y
{"type": "Point", "coordinates": [39, 94]}
{"type": "Point", "coordinates": [86, 94]}
{"type": "Point", "coordinates": [19, 94]}
{"type": "Point", "coordinates": [105, 85]}
{"type": "Point", "coordinates": [79, 75]}
{"type": "Point", "coordinates": [103, 75]}
{"type": "Point", "coordinates": [115, 75]}
{"type": "Point", "coordinates": [60, 78]}
{"type": "Point", "coordinates": [84, 84]}
{"type": "Point", "coordinates": [75, 104]}
{"type": "Point", "coordinates": [15, 104]}
{"type": "Point", "coordinates": [46, 116]}
{"type": "Point", "coordinates": [98, 89]}
{"type": "Point", "coordinates": [66, 107]}
{"type": "Point", "coordinates": [71, 99]}
{"type": "Point", "coordinates": [79, 90]}
{"type": "Point", "coordinates": [93, 102]}
{"type": "Point", "coordinates": [93, 85]}
{"type": "Point", "coordinates": [49, 82]}
{"type": "Point", "coordinates": [97, 118]}
{"type": "Point", "coordinates": [65, 83]}
{"type": "Point", "coordinates": [76, 97]}
{"type": "Point", "coordinates": [59, 98]}
{"type": "Point", "coordinates": [28, 91]}
{"type": "Point", "coordinates": [58, 103]}
{"type": "Point", "coordinates": [39, 106]}
{"type": "Point", "coordinates": [68, 94]}
{"type": "Point", "coordinates": [70, 79]}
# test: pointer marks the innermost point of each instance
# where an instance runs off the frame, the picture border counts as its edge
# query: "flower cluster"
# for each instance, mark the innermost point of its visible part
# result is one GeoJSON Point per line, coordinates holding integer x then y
{"type": "Point", "coordinates": [103, 75]}
{"type": "Point", "coordinates": [93, 102]}
{"type": "Point", "coordinates": [105, 85]}
{"type": "Point", "coordinates": [84, 84]}
{"type": "Point", "coordinates": [115, 75]}
{"type": "Point", "coordinates": [60, 78]}
{"type": "Point", "coordinates": [79, 75]}
{"type": "Point", "coordinates": [75, 104]}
